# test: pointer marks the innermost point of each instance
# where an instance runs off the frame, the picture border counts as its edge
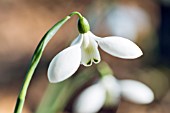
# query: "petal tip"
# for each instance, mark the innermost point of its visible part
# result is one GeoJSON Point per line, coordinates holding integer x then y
{"type": "Point", "coordinates": [120, 47]}
{"type": "Point", "coordinates": [136, 92]}
{"type": "Point", "coordinates": [52, 78]}
{"type": "Point", "coordinates": [138, 54]}
{"type": "Point", "coordinates": [64, 64]}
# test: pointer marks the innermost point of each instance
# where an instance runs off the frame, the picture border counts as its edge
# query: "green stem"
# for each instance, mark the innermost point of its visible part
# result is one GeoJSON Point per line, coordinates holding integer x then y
{"type": "Point", "coordinates": [104, 69]}
{"type": "Point", "coordinates": [34, 62]}
{"type": "Point", "coordinates": [76, 13]}
{"type": "Point", "coordinates": [36, 58]}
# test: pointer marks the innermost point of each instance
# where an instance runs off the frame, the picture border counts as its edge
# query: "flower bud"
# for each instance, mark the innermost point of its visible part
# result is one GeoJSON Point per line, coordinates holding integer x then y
{"type": "Point", "coordinates": [83, 25]}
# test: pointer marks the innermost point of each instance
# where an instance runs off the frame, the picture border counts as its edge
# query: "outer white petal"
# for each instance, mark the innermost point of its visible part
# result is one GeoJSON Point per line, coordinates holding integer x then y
{"type": "Point", "coordinates": [77, 40]}
{"type": "Point", "coordinates": [89, 51]}
{"type": "Point", "coordinates": [136, 92]}
{"type": "Point", "coordinates": [119, 47]}
{"type": "Point", "coordinates": [64, 64]}
{"type": "Point", "coordinates": [112, 87]}
{"type": "Point", "coordinates": [90, 100]}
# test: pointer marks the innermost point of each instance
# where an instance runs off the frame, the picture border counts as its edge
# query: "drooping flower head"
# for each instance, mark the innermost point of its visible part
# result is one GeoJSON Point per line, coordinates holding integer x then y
{"type": "Point", "coordinates": [84, 50]}
{"type": "Point", "coordinates": [108, 91]}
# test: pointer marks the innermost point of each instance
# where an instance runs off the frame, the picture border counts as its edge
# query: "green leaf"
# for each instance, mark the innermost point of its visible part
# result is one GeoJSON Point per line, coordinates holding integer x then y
{"type": "Point", "coordinates": [34, 62]}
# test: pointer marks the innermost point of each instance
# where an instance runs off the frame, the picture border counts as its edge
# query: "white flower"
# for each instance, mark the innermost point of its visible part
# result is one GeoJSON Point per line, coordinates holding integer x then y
{"type": "Point", "coordinates": [108, 91]}
{"type": "Point", "coordinates": [84, 50]}
{"type": "Point", "coordinates": [92, 99]}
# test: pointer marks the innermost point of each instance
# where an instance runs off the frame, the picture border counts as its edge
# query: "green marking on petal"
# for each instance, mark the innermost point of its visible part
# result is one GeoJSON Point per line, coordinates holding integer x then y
{"type": "Point", "coordinates": [89, 62]}
{"type": "Point", "coordinates": [95, 60]}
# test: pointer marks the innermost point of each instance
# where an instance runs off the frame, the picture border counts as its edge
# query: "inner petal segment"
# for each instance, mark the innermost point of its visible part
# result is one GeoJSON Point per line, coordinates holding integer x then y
{"type": "Point", "coordinates": [89, 51]}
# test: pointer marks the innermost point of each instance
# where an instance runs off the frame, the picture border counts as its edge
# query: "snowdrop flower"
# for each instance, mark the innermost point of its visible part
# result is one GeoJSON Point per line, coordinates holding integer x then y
{"type": "Point", "coordinates": [108, 92]}
{"type": "Point", "coordinates": [84, 50]}
{"type": "Point", "coordinates": [93, 98]}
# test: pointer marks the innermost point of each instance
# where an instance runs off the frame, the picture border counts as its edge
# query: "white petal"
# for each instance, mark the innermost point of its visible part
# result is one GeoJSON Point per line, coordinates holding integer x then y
{"type": "Point", "coordinates": [136, 92]}
{"type": "Point", "coordinates": [78, 40]}
{"type": "Point", "coordinates": [89, 51]}
{"type": "Point", "coordinates": [112, 88]}
{"type": "Point", "coordinates": [64, 64]}
{"type": "Point", "coordinates": [90, 100]}
{"type": "Point", "coordinates": [120, 47]}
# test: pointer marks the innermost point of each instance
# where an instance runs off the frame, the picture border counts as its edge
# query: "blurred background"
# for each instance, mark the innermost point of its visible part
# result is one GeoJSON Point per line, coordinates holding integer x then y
{"type": "Point", "coordinates": [24, 22]}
